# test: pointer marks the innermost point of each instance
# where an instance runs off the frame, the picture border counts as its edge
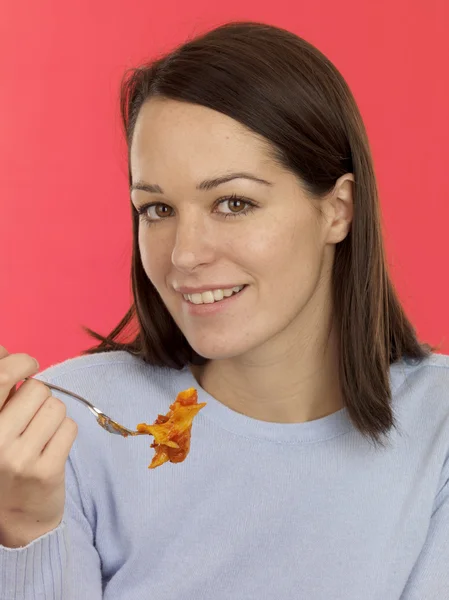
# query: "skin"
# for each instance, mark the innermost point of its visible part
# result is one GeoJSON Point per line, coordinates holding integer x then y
{"type": "Point", "coordinates": [273, 352]}
{"type": "Point", "coordinates": [35, 440]}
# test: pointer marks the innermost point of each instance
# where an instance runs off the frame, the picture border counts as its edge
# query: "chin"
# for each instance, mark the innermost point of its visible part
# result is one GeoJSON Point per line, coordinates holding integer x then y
{"type": "Point", "coordinates": [220, 351]}
{"type": "Point", "coordinates": [215, 354]}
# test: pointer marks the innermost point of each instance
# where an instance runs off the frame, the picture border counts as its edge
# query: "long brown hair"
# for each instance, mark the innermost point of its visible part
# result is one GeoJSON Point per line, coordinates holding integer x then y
{"type": "Point", "coordinates": [283, 88]}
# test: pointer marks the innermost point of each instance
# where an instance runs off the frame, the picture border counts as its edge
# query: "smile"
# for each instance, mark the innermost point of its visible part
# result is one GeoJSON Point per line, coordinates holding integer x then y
{"type": "Point", "coordinates": [212, 296]}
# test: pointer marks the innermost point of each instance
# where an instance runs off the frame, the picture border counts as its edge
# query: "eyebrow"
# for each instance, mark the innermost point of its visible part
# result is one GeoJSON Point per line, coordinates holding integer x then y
{"type": "Point", "coordinates": [206, 185]}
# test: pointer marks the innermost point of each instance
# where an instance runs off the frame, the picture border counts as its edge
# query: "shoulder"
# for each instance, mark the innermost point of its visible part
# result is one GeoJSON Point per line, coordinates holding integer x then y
{"type": "Point", "coordinates": [430, 374]}
{"type": "Point", "coordinates": [109, 364]}
{"type": "Point", "coordinates": [420, 399]}
{"type": "Point", "coordinates": [104, 361]}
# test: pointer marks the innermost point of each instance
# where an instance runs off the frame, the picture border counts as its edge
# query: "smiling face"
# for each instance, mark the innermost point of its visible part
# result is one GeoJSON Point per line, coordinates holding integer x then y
{"type": "Point", "coordinates": [263, 233]}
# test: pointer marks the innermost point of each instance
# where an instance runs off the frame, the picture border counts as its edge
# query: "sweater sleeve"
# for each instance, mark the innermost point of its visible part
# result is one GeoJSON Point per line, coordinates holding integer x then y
{"type": "Point", "coordinates": [61, 565]}
{"type": "Point", "coordinates": [429, 579]}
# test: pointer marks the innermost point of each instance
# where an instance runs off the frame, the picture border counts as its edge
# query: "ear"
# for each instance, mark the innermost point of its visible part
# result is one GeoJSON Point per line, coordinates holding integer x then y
{"type": "Point", "coordinates": [341, 208]}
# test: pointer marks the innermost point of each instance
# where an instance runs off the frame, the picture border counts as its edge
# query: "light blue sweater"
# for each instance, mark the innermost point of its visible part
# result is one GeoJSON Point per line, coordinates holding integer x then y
{"type": "Point", "coordinates": [257, 511]}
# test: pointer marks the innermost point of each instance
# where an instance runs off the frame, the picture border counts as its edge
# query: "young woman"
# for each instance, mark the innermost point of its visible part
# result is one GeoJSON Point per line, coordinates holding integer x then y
{"type": "Point", "coordinates": [319, 466]}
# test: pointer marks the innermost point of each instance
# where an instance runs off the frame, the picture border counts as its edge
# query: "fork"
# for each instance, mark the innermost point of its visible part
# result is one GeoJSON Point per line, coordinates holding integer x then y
{"type": "Point", "coordinates": [103, 420]}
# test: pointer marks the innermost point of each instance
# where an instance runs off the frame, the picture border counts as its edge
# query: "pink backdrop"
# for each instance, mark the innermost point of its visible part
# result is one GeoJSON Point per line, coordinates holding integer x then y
{"type": "Point", "coordinates": [65, 228]}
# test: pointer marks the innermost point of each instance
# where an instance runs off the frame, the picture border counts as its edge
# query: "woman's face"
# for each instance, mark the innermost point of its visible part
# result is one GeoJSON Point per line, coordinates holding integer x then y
{"type": "Point", "coordinates": [203, 238]}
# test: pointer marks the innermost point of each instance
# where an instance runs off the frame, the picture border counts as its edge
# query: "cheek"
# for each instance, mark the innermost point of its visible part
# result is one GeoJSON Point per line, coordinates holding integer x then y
{"type": "Point", "coordinates": [154, 257]}
{"type": "Point", "coordinates": [285, 251]}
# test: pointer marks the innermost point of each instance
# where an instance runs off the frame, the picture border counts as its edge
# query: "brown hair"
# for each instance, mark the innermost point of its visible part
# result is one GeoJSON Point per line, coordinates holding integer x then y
{"type": "Point", "coordinates": [283, 88]}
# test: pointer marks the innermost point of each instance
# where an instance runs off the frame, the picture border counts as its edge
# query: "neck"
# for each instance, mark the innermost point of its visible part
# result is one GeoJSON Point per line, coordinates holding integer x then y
{"type": "Point", "coordinates": [297, 383]}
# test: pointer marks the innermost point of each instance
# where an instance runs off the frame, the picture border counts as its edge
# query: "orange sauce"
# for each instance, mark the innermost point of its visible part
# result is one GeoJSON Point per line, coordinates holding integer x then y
{"type": "Point", "coordinates": [172, 431]}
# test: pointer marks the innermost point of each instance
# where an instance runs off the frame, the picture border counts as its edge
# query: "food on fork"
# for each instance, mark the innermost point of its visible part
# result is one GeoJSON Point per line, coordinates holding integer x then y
{"type": "Point", "coordinates": [172, 431]}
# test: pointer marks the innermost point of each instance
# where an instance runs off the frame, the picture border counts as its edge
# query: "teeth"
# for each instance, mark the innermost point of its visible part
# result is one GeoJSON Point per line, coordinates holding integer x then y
{"type": "Point", "coordinates": [209, 297]}
{"type": "Point", "coordinates": [218, 294]}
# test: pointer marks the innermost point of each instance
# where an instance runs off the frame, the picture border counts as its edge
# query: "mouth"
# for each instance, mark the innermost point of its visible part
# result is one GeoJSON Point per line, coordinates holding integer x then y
{"type": "Point", "coordinates": [213, 296]}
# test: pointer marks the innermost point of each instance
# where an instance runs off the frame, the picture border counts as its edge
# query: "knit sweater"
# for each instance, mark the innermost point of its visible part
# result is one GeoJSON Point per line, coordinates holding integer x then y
{"type": "Point", "coordinates": [258, 510]}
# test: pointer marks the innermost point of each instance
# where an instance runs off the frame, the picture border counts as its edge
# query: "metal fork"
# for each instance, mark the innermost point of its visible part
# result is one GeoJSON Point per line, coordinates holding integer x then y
{"type": "Point", "coordinates": [103, 420]}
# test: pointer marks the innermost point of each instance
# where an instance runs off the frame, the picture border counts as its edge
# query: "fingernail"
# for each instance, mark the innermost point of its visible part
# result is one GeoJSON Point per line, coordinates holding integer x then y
{"type": "Point", "coordinates": [37, 364]}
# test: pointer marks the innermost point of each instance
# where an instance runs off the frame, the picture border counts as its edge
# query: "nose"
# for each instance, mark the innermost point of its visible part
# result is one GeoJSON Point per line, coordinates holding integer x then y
{"type": "Point", "coordinates": [194, 245]}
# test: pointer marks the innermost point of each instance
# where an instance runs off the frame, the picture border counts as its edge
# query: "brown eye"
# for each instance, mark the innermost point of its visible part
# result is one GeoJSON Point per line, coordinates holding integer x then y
{"type": "Point", "coordinates": [162, 210]}
{"type": "Point", "coordinates": [152, 213]}
{"type": "Point", "coordinates": [233, 206]}
{"type": "Point", "coordinates": [236, 205]}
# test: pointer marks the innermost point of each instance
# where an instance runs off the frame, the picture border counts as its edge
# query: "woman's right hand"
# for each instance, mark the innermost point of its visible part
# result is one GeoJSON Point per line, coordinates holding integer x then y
{"type": "Point", "coordinates": [35, 441]}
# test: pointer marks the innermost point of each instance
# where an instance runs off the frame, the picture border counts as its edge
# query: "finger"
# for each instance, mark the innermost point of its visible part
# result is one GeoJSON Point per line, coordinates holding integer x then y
{"type": "Point", "coordinates": [43, 426]}
{"type": "Point", "coordinates": [3, 354]}
{"type": "Point", "coordinates": [10, 395]}
{"type": "Point", "coordinates": [17, 414]}
{"type": "Point", "coordinates": [14, 368]}
{"type": "Point", "coordinates": [57, 450]}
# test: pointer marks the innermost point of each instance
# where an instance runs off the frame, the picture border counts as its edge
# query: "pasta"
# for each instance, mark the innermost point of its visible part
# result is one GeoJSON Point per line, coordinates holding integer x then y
{"type": "Point", "coordinates": [172, 431]}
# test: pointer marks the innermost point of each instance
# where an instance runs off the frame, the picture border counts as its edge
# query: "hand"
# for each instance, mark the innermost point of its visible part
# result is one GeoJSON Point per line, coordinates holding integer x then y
{"type": "Point", "coordinates": [35, 441]}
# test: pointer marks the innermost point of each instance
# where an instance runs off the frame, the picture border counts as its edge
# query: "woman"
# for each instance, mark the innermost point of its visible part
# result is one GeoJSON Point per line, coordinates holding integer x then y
{"type": "Point", "coordinates": [319, 466]}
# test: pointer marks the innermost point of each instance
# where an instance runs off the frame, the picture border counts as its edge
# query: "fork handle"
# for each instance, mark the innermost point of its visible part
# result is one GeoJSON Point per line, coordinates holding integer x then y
{"type": "Point", "coordinates": [93, 409]}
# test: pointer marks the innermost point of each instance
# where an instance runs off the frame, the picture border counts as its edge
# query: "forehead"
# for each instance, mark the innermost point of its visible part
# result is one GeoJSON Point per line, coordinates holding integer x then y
{"type": "Point", "coordinates": [193, 141]}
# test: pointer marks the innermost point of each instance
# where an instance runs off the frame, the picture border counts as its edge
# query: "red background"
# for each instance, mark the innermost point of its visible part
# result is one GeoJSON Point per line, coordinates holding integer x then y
{"type": "Point", "coordinates": [65, 228]}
